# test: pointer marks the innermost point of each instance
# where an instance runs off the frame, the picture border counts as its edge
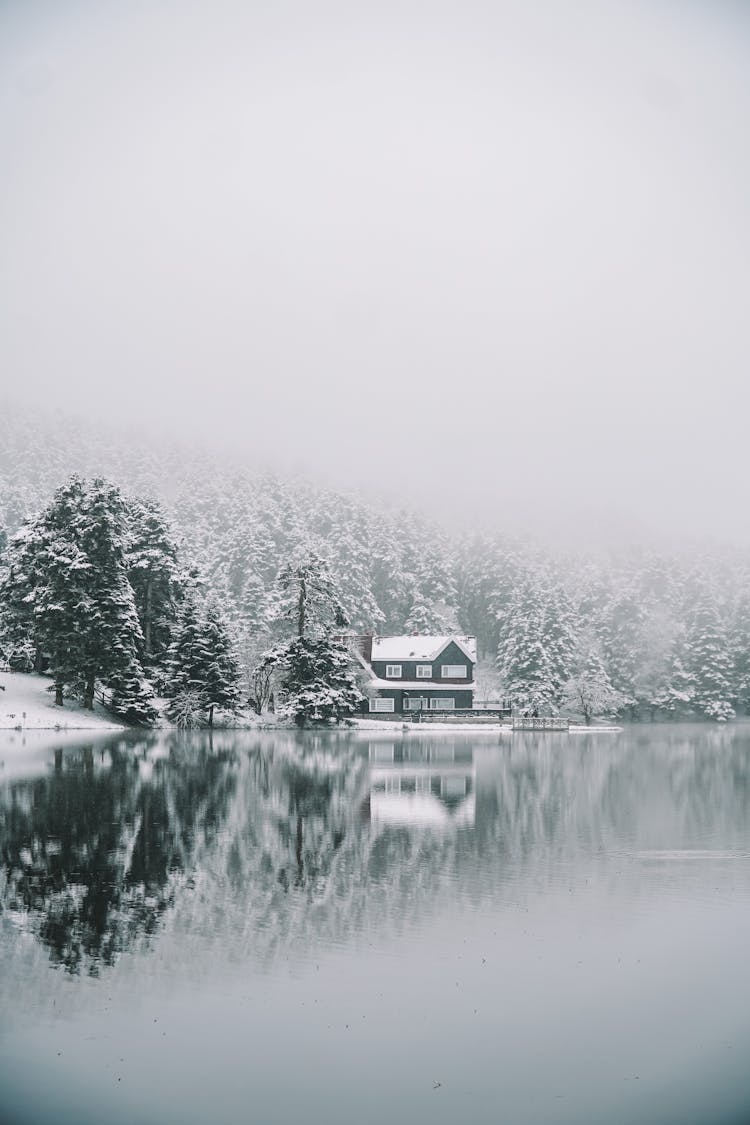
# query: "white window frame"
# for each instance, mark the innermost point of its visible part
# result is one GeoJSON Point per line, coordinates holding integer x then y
{"type": "Point", "coordinates": [454, 672]}
{"type": "Point", "coordinates": [393, 671]}
{"type": "Point", "coordinates": [383, 705]}
{"type": "Point", "coordinates": [416, 703]}
{"type": "Point", "coordinates": [424, 671]}
{"type": "Point", "coordinates": [443, 703]}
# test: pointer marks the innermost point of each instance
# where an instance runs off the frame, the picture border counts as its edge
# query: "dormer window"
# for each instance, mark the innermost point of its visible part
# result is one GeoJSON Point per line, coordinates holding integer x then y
{"type": "Point", "coordinates": [393, 671]}
{"type": "Point", "coordinates": [453, 671]}
{"type": "Point", "coordinates": [424, 671]}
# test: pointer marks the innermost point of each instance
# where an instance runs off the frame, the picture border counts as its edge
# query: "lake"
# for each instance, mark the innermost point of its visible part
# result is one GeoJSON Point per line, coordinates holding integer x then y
{"type": "Point", "coordinates": [359, 927]}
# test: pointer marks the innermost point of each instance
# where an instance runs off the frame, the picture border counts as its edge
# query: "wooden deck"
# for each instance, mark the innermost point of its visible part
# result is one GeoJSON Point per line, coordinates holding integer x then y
{"type": "Point", "coordinates": [546, 722]}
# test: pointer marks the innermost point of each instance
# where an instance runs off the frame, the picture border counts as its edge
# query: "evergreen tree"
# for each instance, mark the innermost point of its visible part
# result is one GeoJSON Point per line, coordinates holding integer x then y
{"type": "Point", "coordinates": [589, 691]}
{"type": "Point", "coordinates": [155, 577]}
{"type": "Point", "coordinates": [424, 618]}
{"type": "Point", "coordinates": [537, 639]}
{"type": "Point", "coordinates": [309, 597]}
{"type": "Point", "coordinates": [201, 665]}
{"type": "Point", "coordinates": [66, 585]}
{"type": "Point", "coordinates": [740, 650]}
{"type": "Point", "coordinates": [621, 630]}
{"type": "Point", "coordinates": [319, 681]}
{"type": "Point", "coordinates": [710, 661]}
{"type": "Point", "coordinates": [315, 671]}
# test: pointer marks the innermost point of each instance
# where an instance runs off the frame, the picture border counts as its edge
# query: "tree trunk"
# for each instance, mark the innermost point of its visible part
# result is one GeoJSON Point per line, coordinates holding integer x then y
{"type": "Point", "coordinates": [211, 716]}
{"type": "Point", "coordinates": [58, 693]}
{"type": "Point", "coordinates": [147, 616]}
{"type": "Point", "coordinates": [88, 693]}
{"type": "Point", "coordinates": [301, 608]}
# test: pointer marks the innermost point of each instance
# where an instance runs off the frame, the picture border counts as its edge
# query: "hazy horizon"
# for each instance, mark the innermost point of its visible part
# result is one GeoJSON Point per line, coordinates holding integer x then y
{"type": "Point", "coordinates": [491, 260]}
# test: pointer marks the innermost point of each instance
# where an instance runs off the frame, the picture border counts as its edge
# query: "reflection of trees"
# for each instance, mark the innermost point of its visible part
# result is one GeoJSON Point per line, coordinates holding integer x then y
{"type": "Point", "coordinates": [93, 853]}
{"type": "Point", "coordinates": [263, 842]}
{"type": "Point", "coordinates": [299, 862]}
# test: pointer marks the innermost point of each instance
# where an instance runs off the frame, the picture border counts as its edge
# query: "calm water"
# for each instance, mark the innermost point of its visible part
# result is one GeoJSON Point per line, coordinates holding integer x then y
{"type": "Point", "coordinates": [358, 928]}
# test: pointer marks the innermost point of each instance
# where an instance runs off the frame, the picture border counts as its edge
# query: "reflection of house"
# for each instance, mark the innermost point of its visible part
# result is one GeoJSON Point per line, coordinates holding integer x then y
{"type": "Point", "coordinates": [422, 785]}
{"type": "Point", "coordinates": [414, 673]}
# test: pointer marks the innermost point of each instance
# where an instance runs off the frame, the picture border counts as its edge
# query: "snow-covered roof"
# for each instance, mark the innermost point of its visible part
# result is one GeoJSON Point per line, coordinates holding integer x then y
{"type": "Point", "coordinates": [420, 647]}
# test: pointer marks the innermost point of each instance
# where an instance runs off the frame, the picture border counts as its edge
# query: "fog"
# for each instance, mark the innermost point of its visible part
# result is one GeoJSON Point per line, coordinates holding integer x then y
{"type": "Point", "coordinates": [486, 258]}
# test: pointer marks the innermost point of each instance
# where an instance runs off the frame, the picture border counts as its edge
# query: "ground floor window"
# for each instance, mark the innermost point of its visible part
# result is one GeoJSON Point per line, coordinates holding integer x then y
{"type": "Point", "coordinates": [382, 705]}
{"type": "Point", "coordinates": [442, 704]}
{"type": "Point", "coordinates": [415, 703]}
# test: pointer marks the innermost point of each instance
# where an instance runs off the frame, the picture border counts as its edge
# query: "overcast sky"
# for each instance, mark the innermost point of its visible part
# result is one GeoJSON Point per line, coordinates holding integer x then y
{"type": "Point", "coordinates": [487, 255]}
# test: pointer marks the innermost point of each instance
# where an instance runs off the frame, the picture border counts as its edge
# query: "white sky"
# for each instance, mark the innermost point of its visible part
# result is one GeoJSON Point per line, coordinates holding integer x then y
{"type": "Point", "coordinates": [493, 255]}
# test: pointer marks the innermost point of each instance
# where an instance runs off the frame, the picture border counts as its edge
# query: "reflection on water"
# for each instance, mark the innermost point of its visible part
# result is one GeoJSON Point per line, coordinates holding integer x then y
{"type": "Point", "coordinates": [275, 833]}
{"type": "Point", "coordinates": [96, 851]}
{"type": "Point", "coordinates": [185, 855]}
{"type": "Point", "coordinates": [427, 782]}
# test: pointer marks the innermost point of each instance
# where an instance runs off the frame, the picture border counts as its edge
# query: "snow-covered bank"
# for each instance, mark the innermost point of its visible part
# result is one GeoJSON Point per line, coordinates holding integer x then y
{"type": "Point", "coordinates": [577, 728]}
{"type": "Point", "coordinates": [26, 704]}
{"type": "Point", "coordinates": [474, 728]}
{"type": "Point", "coordinates": [427, 728]}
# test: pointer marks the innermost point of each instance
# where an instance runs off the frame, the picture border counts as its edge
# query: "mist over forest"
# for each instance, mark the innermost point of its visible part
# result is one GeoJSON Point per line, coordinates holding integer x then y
{"type": "Point", "coordinates": [668, 632]}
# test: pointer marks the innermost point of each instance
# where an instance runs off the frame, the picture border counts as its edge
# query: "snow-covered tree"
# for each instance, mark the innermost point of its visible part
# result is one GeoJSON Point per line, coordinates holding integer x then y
{"type": "Point", "coordinates": [201, 664]}
{"type": "Point", "coordinates": [319, 680]}
{"type": "Point", "coordinates": [309, 597]}
{"type": "Point", "coordinates": [154, 573]}
{"type": "Point", "coordinates": [66, 584]}
{"type": "Point", "coordinates": [740, 649]}
{"type": "Point", "coordinates": [314, 670]}
{"type": "Point", "coordinates": [710, 660]}
{"type": "Point", "coordinates": [535, 651]}
{"type": "Point", "coordinates": [425, 618]}
{"type": "Point", "coordinates": [589, 691]}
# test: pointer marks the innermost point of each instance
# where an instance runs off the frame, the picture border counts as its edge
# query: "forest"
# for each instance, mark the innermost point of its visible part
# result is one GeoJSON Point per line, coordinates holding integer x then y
{"type": "Point", "coordinates": [642, 633]}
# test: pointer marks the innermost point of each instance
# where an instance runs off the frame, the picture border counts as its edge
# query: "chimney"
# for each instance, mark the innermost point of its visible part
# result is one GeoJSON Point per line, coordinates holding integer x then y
{"type": "Point", "coordinates": [365, 646]}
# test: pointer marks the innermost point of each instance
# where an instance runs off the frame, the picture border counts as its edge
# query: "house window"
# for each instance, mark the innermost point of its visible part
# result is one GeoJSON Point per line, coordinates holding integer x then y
{"type": "Point", "coordinates": [415, 703]}
{"type": "Point", "coordinates": [382, 704]}
{"type": "Point", "coordinates": [453, 671]}
{"type": "Point", "coordinates": [444, 703]}
{"type": "Point", "coordinates": [424, 671]}
{"type": "Point", "coordinates": [393, 671]}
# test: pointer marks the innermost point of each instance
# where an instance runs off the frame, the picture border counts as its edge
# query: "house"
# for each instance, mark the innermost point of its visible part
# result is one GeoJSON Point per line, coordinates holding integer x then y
{"type": "Point", "coordinates": [419, 673]}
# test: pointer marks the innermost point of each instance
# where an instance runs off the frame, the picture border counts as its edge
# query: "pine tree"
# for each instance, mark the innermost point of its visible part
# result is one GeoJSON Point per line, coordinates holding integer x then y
{"type": "Point", "coordinates": [315, 671]}
{"type": "Point", "coordinates": [424, 618]}
{"type": "Point", "coordinates": [309, 597]}
{"type": "Point", "coordinates": [154, 574]}
{"type": "Point", "coordinates": [740, 646]}
{"type": "Point", "coordinates": [589, 691]}
{"type": "Point", "coordinates": [201, 664]}
{"type": "Point", "coordinates": [710, 660]}
{"type": "Point", "coordinates": [319, 680]}
{"type": "Point", "coordinates": [537, 639]}
{"type": "Point", "coordinates": [67, 587]}
{"type": "Point", "coordinates": [621, 630]}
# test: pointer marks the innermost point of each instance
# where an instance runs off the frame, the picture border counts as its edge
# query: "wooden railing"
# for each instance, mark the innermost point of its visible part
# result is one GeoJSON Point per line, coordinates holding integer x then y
{"type": "Point", "coordinates": [460, 715]}
{"type": "Point", "coordinates": [540, 722]}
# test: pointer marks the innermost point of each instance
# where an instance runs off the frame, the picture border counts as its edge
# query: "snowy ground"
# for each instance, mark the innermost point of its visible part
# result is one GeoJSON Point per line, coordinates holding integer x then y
{"type": "Point", "coordinates": [25, 704]}
{"type": "Point", "coordinates": [427, 728]}
{"type": "Point", "coordinates": [485, 728]}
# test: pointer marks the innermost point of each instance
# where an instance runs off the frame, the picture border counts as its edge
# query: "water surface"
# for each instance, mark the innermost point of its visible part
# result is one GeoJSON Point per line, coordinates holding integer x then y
{"type": "Point", "coordinates": [350, 927]}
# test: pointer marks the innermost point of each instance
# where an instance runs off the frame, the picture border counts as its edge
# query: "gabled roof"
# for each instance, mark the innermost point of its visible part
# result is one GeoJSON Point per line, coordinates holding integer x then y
{"type": "Point", "coordinates": [421, 647]}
